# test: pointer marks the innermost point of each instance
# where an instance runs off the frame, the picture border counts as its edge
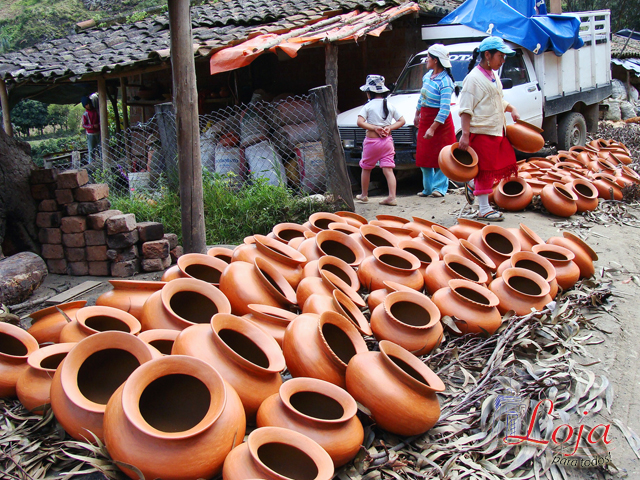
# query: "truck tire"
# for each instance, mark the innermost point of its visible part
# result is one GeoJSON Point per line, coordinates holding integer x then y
{"type": "Point", "coordinates": [572, 131]}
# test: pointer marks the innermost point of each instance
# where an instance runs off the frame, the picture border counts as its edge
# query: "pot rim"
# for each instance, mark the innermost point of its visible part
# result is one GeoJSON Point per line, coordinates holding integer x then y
{"type": "Point", "coordinates": [296, 227]}
{"type": "Point", "coordinates": [323, 216]}
{"type": "Point", "coordinates": [265, 342]}
{"type": "Point", "coordinates": [423, 247]}
{"type": "Point", "coordinates": [348, 328]}
{"type": "Point", "coordinates": [436, 238]}
{"type": "Point", "coordinates": [396, 287]}
{"type": "Point", "coordinates": [86, 313]}
{"type": "Point", "coordinates": [477, 253]}
{"type": "Point", "coordinates": [352, 215]}
{"type": "Point", "coordinates": [380, 232]}
{"type": "Point", "coordinates": [36, 316]}
{"type": "Point", "coordinates": [445, 232]}
{"type": "Point", "coordinates": [154, 334]}
{"type": "Point", "coordinates": [336, 282]}
{"type": "Point", "coordinates": [343, 266]}
{"type": "Point", "coordinates": [398, 252]}
{"type": "Point", "coordinates": [276, 315]}
{"type": "Point", "coordinates": [470, 151]}
{"type": "Point", "coordinates": [392, 218]}
{"type": "Point", "coordinates": [470, 222]}
{"type": "Point", "coordinates": [484, 291]}
{"type": "Point", "coordinates": [517, 180]}
{"type": "Point", "coordinates": [215, 251]}
{"type": "Point", "coordinates": [351, 312]}
{"type": "Point", "coordinates": [322, 387]}
{"type": "Point", "coordinates": [533, 236]}
{"type": "Point", "coordinates": [556, 249]}
{"type": "Point", "coordinates": [282, 252]}
{"type": "Point", "coordinates": [192, 285]}
{"type": "Point", "coordinates": [36, 358]}
{"type": "Point", "coordinates": [346, 228]}
{"type": "Point", "coordinates": [417, 298]}
{"type": "Point", "coordinates": [509, 273]}
{"type": "Point", "coordinates": [284, 292]}
{"type": "Point", "coordinates": [346, 240]}
{"type": "Point", "coordinates": [189, 259]}
{"type": "Point", "coordinates": [395, 230]}
{"type": "Point", "coordinates": [425, 222]}
{"type": "Point", "coordinates": [141, 378]}
{"type": "Point", "coordinates": [574, 238]}
{"type": "Point", "coordinates": [434, 383]}
{"type": "Point", "coordinates": [483, 277]}
{"type": "Point", "coordinates": [586, 183]}
{"type": "Point", "coordinates": [539, 259]}
{"type": "Point", "coordinates": [24, 337]}
{"type": "Point", "coordinates": [505, 233]}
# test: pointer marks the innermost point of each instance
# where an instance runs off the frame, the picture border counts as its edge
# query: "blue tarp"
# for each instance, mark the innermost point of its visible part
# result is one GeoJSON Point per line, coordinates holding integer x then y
{"type": "Point", "coordinates": [523, 22]}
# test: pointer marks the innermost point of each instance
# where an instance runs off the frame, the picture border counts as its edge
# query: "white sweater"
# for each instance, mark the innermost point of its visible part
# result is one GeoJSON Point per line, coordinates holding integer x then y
{"type": "Point", "coordinates": [483, 100]}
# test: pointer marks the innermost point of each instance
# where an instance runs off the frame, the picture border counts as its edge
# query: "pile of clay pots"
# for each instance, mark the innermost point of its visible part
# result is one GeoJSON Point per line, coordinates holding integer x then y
{"type": "Point", "coordinates": [169, 374]}
{"type": "Point", "coordinates": [571, 181]}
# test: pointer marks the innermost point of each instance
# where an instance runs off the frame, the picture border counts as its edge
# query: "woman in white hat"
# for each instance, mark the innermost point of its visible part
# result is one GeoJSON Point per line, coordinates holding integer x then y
{"type": "Point", "coordinates": [433, 118]}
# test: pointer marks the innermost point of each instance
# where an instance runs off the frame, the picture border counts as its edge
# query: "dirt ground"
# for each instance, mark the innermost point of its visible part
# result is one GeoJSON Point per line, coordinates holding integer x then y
{"type": "Point", "coordinates": [617, 355]}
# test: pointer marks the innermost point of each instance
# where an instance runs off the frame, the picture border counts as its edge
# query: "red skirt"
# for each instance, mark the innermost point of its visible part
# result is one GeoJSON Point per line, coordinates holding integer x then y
{"type": "Point", "coordinates": [496, 158]}
{"type": "Point", "coordinates": [428, 149]}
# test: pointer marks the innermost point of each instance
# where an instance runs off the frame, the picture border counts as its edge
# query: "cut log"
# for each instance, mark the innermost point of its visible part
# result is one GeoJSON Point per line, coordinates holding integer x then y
{"type": "Point", "coordinates": [20, 275]}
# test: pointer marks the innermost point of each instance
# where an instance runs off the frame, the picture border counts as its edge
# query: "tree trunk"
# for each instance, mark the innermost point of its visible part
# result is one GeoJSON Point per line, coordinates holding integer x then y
{"type": "Point", "coordinates": [20, 275]}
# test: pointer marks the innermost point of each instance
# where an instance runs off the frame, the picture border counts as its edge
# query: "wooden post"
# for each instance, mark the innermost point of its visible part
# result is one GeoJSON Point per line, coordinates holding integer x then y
{"type": "Point", "coordinates": [338, 183]}
{"type": "Point", "coordinates": [104, 122]}
{"type": "Point", "coordinates": [6, 111]}
{"type": "Point", "coordinates": [555, 7]}
{"type": "Point", "coordinates": [114, 104]}
{"type": "Point", "coordinates": [166, 120]}
{"type": "Point", "coordinates": [187, 127]}
{"type": "Point", "coordinates": [125, 105]}
{"type": "Point", "coordinates": [331, 68]}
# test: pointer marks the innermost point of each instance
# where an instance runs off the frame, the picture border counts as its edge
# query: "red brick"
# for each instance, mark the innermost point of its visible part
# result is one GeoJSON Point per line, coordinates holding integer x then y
{"type": "Point", "coordinates": [125, 269]}
{"type": "Point", "coordinates": [176, 253]}
{"type": "Point", "coordinates": [122, 240]}
{"type": "Point", "coordinates": [95, 237]}
{"type": "Point", "coordinates": [78, 268]}
{"type": "Point", "coordinates": [50, 251]}
{"type": "Point", "coordinates": [48, 219]}
{"type": "Point", "coordinates": [97, 220]}
{"type": "Point", "coordinates": [88, 208]}
{"type": "Point", "coordinates": [91, 193]}
{"type": "Point", "coordinates": [75, 254]}
{"type": "Point", "coordinates": [73, 178]}
{"type": "Point", "coordinates": [43, 191]}
{"type": "Point", "coordinates": [71, 210]}
{"type": "Point", "coordinates": [48, 206]}
{"type": "Point", "coordinates": [75, 224]}
{"type": "Point", "coordinates": [99, 269]}
{"type": "Point", "coordinates": [123, 254]}
{"type": "Point", "coordinates": [57, 266]}
{"type": "Point", "coordinates": [155, 249]}
{"type": "Point", "coordinates": [50, 235]}
{"type": "Point", "coordinates": [150, 231]}
{"type": "Point", "coordinates": [172, 238]}
{"type": "Point", "coordinates": [43, 175]}
{"type": "Point", "coordinates": [97, 253]}
{"type": "Point", "coordinates": [121, 223]}
{"type": "Point", "coordinates": [64, 196]}
{"type": "Point", "coordinates": [73, 240]}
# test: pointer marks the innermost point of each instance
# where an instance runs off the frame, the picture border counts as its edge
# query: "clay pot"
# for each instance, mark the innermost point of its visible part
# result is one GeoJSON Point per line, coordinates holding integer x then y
{"type": "Point", "coordinates": [198, 266]}
{"type": "Point", "coordinates": [182, 303]}
{"type": "Point", "coordinates": [285, 232]}
{"type": "Point", "coordinates": [344, 228]}
{"type": "Point", "coordinates": [389, 263]}
{"type": "Point", "coordinates": [339, 303]}
{"type": "Point", "coordinates": [586, 194]}
{"type": "Point", "coordinates": [524, 137]}
{"type": "Point", "coordinates": [16, 346]}
{"type": "Point", "coordinates": [297, 241]}
{"type": "Point", "coordinates": [496, 242]}
{"type": "Point", "coordinates": [325, 285]}
{"type": "Point", "coordinates": [458, 165]}
{"type": "Point", "coordinates": [397, 388]}
{"type": "Point", "coordinates": [245, 355]}
{"type": "Point", "coordinates": [536, 185]}
{"type": "Point", "coordinates": [527, 237]}
{"type": "Point", "coordinates": [436, 241]}
{"type": "Point", "coordinates": [390, 220]}
{"type": "Point", "coordinates": [398, 232]}
{"type": "Point", "coordinates": [438, 274]}
{"type": "Point", "coordinates": [221, 253]}
{"type": "Point", "coordinates": [567, 271]}
{"type": "Point", "coordinates": [88, 376]}
{"type": "Point", "coordinates": [258, 282]}
{"type": "Point", "coordinates": [274, 453]}
{"type": "Point", "coordinates": [607, 187]}
{"type": "Point", "coordinates": [129, 295]}
{"type": "Point", "coordinates": [334, 265]}
{"type": "Point", "coordinates": [272, 320]}
{"type": "Point", "coordinates": [466, 227]}
{"type": "Point", "coordinates": [419, 225]}
{"type": "Point", "coordinates": [34, 383]}
{"type": "Point", "coordinates": [559, 200]}
{"type": "Point", "coordinates": [169, 409]}
{"type": "Point", "coordinates": [520, 290]}
{"type": "Point", "coordinates": [352, 218]}
{"type": "Point", "coordinates": [513, 194]}
{"type": "Point", "coordinates": [321, 411]}
{"type": "Point", "coordinates": [320, 346]}
{"type": "Point", "coordinates": [443, 231]}
{"type": "Point", "coordinates": [160, 338]}
{"type": "Point", "coordinates": [537, 264]}
{"type": "Point", "coordinates": [372, 236]}
{"type": "Point", "coordinates": [471, 306]}
{"type": "Point", "coordinates": [321, 220]}
{"type": "Point", "coordinates": [420, 250]}
{"type": "Point", "coordinates": [468, 250]}
{"type": "Point", "coordinates": [335, 244]}
{"type": "Point", "coordinates": [408, 319]}
{"type": "Point", "coordinates": [47, 323]}
{"type": "Point", "coordinates": [376, 297]}
{"type": "Point", "coordinates": [621, 158]}
{"type": "Point", "coordinates": [92, 320]}
{"type": "Point", "coordinates": [584, 254]}
{"type": "Point", "coordinates": [287, 260]}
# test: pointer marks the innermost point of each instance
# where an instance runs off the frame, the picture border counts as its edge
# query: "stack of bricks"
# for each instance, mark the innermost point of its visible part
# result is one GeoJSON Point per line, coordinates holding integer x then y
{"type": "Point", "coordinates": [80, 235]}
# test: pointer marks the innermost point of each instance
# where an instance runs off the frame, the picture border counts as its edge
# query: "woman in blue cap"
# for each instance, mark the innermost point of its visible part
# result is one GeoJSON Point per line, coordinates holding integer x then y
{"type": "Point", "coordinates": [482, 109]}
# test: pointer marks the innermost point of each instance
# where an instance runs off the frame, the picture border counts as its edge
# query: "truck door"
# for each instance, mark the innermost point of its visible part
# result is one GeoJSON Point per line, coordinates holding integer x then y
{"type": "Point", "coordinates": [525, 94]}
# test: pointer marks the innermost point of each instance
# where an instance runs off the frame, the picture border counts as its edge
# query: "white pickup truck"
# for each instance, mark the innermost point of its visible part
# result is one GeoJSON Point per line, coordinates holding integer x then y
{"type": "Point", "coordinates": [559, 94]}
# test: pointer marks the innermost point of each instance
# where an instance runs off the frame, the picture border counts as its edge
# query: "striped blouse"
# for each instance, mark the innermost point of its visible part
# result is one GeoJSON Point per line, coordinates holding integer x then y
{"type": "Point", "coordinates": [436, 93]}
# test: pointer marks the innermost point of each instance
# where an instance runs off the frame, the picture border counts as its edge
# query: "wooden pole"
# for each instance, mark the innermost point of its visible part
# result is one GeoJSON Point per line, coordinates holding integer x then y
{"type": "Point", "coordinates": [104, 122]}
{"type": "Point", "coordinates": [6, 111]}
{"type": "Point", "coordinates": [555, 7]}
{"type": "Point", "coordinates": [331, 68]}
{"type": "Point", "coordinates": [125, 105]}
{"type": "Point", "coordinates": [187, 127]}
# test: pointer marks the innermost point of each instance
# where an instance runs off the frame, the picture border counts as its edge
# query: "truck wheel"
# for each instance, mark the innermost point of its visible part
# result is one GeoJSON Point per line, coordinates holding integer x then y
{"type": "Point", "coordinates": [572, 131]}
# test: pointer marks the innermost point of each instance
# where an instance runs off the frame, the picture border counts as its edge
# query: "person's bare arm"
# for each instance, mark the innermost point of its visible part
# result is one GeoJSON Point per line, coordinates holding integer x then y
{"type": "Point", "coordinates": [465, 120]}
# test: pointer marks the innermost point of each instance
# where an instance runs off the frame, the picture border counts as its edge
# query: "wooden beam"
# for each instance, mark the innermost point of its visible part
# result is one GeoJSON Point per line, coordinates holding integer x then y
{"type": "Point", "coordinates": [125, 106]}
{"type": "Point", "coordinates": [104, 122]}
{"type": "Point", "coordinates": [555, 6]}
{"type": "Point", "coordinates": [6, 111]}
{"type": "Point", "coordinates": [187, 127]}
{"type": "Point", "coordinates": [331, 69]}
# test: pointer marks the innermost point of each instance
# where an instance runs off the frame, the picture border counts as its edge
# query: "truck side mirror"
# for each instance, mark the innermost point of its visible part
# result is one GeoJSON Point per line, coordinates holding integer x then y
{"type": "Point", "coordinates": [507, 83]}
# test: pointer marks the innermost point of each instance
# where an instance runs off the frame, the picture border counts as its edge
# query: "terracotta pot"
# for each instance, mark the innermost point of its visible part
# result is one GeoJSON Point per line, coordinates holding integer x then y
{"type": "Point", "coordinates": [420, 250]}
{"type": "Point", "coordinates": [397, 388]}
{"type": "Point", "coordinates": [537, 264]}
{"type": "Point", "coordinates": [335, 265]}
{"type": "Point", "coordinates": [466, 227]}
{"type": "Point", "coordinates": [458, 165]}
{"type": "Point", "coordinates": [599, 143]}
{"type": "Point", "coordinates": [274, 453]}
{"type": "Point", "coordinates": [520, 290]}
{"type": "Point", "coordinates": [129, 295]}
{"type": "Point", "coordinates": [258, 282]}
{"type": "Point", "coordinates": [438, 274]}
{"type": "Point", "coordinates": [197, 266]}
{"type": "Point", "coordinates": [419, 225]}
{"type": "Point", "coordinates": [221, 253]}
{"type": "Point", "coordinates": [525, 138]}
{"type": "Point", "coordinates": [436, 241]}
{"type": "Point", "coordinates": [182, 303]}
{"type": "Point", "coordinates": [513, 194]}
{"type": "Point", "coordinates": [337, 244]}
{"type": "Point", "coordinates": [284, 232]}
{"type": "Point", "coordinates": [472, 306]}
{"type": "Point", "coordinates": [389, 263]}
{"type": "Point", "coordinates": [527, 237]}
{"type": "Point", "coordinates": [536, 185]}
{"type": "Point", "coordinates": [297, 241]}
{"type": "Point", "coordinates": [391, 221]}
{"type": "Point", "coordinates": [320, 410]}
{"type": "Point", "coordinates": [622, 158]}
{"type": "Point", "coordinates": [586, 194]}
{"type": "Point", "coordinates": [272, 320]}
{"type": "Point", "coordinates": [352, 218]}
{"type": "Point", "coordinates": [92, 320]}
{"type": "Point", "coordinates": [160, 338]}
{"type": "Point", "coordinates": [88, 376]}
{"type": "Point", "coordinates": [321, 220]}
{"type": "Point", "coordinates": [567, 271]}
{"type": "Point", "coordinates": [245, 355]}
{"type": "Point", "coordinates": [47, 323]}
{"type": "Point", "coordinates": [607, 187]}
{"type": "Point", "coordinates": [376, 297]}
{"type": "Point", "coordinates": [287, 260]}
{"type": "Point", "coordinates": [468, 250]}
{"type": "Point", "coordinates": [372, 236]}
{"type": "Point", "coordinates": [169, 409]}
{"type": "Point", "coordinates": [325, 285]}
{"type": "Point", "coordinates": [34, 384]}
{"type": "Point", "coordinates": [584, 254]}
{"type": "Point", "coordinates": [445, 232]}
{"type": "Point", "coordinates": [559, 200]}
{"type": "Point", "coordinates": [497, 242]}
{"type": "Point", "coordinates": [398, 232]}
{"type": "Point", "coordinates": [344, 228]}
{"type": "Point", "coordinates": [320, 346]}
{"type": "Point", "coordinates": [339, 303]}
{"type": "Point", "coordinates": [408, 319]}
{"type": "Point", "coordinates": [16, 346]}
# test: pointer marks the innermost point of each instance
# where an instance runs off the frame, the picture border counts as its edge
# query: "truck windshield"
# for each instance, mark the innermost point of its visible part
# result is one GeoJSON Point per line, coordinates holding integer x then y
{"type": "Point", "coordinates": [410, 80]}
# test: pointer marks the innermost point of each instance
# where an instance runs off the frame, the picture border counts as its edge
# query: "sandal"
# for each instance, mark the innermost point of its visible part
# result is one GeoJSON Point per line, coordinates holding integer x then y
{"type": "Point", "coordinates": [437, 194]}
{"type": "Point", "coordinates": [491, 216]}
{"type": "Point", "coordinates": [468, 194]}
{"type": "Point", "coordinates": [391, 203]}
{"type": "Point", "coordinates": [362, 199]}
{"type": "Point", "coordinates": [422, 194]}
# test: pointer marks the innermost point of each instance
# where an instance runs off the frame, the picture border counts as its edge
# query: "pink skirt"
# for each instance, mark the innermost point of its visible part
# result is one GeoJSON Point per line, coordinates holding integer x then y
{"type": "Point", "coordinates": [376, 150]}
